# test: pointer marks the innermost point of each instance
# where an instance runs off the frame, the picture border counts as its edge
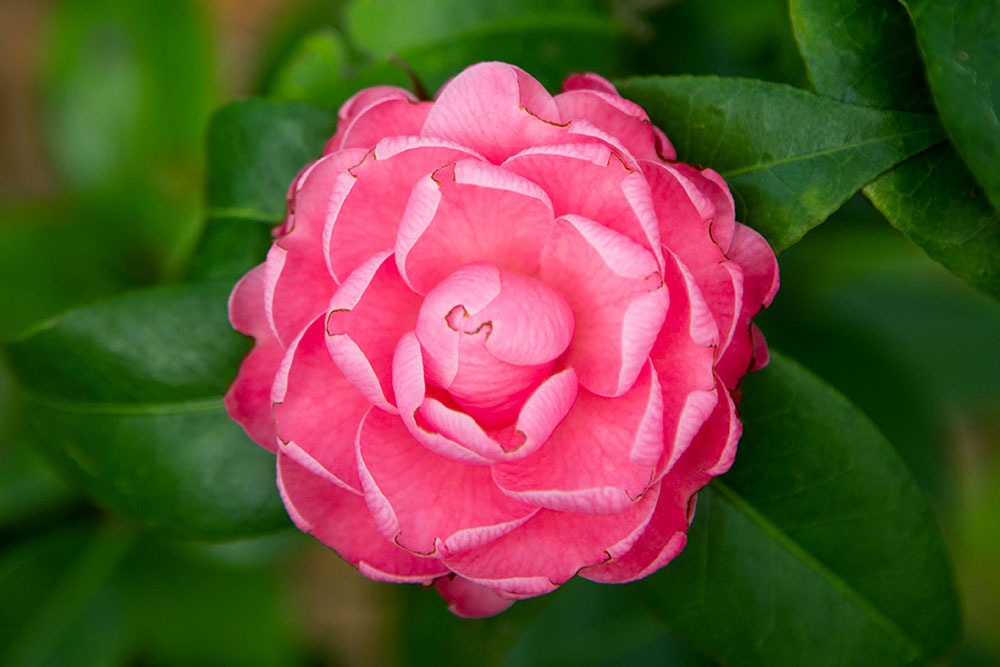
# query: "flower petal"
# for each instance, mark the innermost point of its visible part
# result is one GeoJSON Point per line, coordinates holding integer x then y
{"type": "Point", "coordinates": [600, 459]}
{"type": "Point", "coordinates": [470, 600]}
{"type": "Point", "coordinates": [368, 314]}
{"type": "Point", "coordinates": [495, 109]}
{"type": "Point", "coordinates": [429, 500]}
{"type": "Point", "coordinates": [248, 398]}
{"type": "Point", "coordinates": [340, 519]}
{"type": "Point", "coordinates": [317, 411]}
{"type": "Point", "coordinates": [356, 228]}
{"type": "Point", "coordinates": [396, 113]}
{"type": "Point", "coordinates": [462, 214]}
{"type": "Point", "coordinates": [622, 119]}
{"type": "Point", "coordinates": [618, 299]}
{"type": "Point", "coordinates": [550, 548]}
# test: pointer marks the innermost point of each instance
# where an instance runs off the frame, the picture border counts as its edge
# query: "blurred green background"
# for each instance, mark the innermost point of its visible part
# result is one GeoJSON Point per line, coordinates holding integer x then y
{"type": "Point", "coordinates": [102, 125]}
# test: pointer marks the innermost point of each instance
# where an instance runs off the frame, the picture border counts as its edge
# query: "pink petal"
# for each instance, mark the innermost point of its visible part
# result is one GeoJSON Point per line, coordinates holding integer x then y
{"type": "Point", "coordinates": [463, 214]}
{"type": "Point", "coordinates": [388, 116]}
{"type": "Point", "coordinates": [249, 396]}
{"type": "Point", "coordinates": [551, 547]}
{"type": "Point", "coordinates": [613, 114]}
{"type": "Point", "coordinates": [714, 188]}
{"type": "Point", "coordinates": [589, 81]}
{"type": "Point", "coordinates": [618, 300]}
{"type": "Point", "coordinates": [710, 454]}
{"type": "Point", "coordinates": [600, 459]}
{"type": "Point", "coordinates": [296, 295]}
{"type": "Point", "coordinates": [495, 109]}
{"type": "Point", "coordinates": [340, 519]}
{"type": "Point", "coordinates": [411, 393]}
{"type": "Point", "coordinates": [317, 411]}
{"type": "Point", "coordinates": [429, 501]}
{"type": "Point", "coordinates": [368, 314]}
{"type": "Point", "coordinates": [470, 600]}
{"type": "Point", "coordinates": [356, 229]}
{"type": "Point", "coordinates": [590, 180]}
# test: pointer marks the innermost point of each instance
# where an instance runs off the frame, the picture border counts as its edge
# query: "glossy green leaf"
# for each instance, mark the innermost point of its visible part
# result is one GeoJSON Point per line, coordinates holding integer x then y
{"type": "Point", "coordinates": [861, 51]}
{"type": "Point", "coordinates": [934, 201]}
{"type": "Point", "coordinates": [255, 149]}
{"type": "Point", "coordinates": [790, 157]}
{"type": "Point", "coordinates": [125, 396]}
{"type": "Point", "coordinates": [960, 43]}
{"type": "Point", "coordinates": [817, 548]}
{"type": "Point", "coordinates": [864, 51]}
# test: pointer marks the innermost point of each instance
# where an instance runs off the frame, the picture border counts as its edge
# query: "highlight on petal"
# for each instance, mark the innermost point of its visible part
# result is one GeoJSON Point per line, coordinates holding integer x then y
{"type": "Point", "coordinates": [600, 459]}
{"type": "Point", "coordinates": [399, 477]}
{"type": "Point", "coordinates": [496, 109]}
{"type": "Point", "coordinates": [618, 298]}
{"type": "Point", "coordinates": [340, 519]}
{"type": "Point", "coordinates": [462, 214]}
{"type": "Point", "coordinates": [367, 315]}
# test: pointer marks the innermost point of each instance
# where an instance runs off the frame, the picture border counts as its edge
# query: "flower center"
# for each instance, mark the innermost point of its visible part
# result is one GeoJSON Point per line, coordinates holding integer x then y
{"type": "Point", "coordinates": [489, 337]}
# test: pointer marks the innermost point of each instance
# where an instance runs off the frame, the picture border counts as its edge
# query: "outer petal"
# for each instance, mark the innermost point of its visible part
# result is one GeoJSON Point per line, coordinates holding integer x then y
{"type": "Point", "coordinates": [495, 109]}
{"type": "Point", "coordinates": [470, 600]}
{"type": "Point", "coordinates": [590, 180]}
{"type": "Point", "coordinates": [551, 547]}
{"type": "Point", "coordinates": [368, 314]}
{"type": "Point", "coordinates": [618, 300]}
{"type": "Point", "coordinates": [317, 411]}
{"type": "Point", "coordinates": [422, 500]}
{"type": "Point", "coordinates": [249, 397]}
{"type": "Point", "coordinates": [710, 454]}
{"type": "Point", "coordinates": [396, 113]}
{"type": "Point", "coordinates": [600, 459]}
{"type": "Point", "coordinates": [463, 214]}
{"type": "Point", "coordinates": [340, 519]}
{"type": "Point", "coordinates": [298, 284]}
{"type": "Point", "coordinates": [613, 114]}
{"type": "Point", "coordinates": [356, 227]}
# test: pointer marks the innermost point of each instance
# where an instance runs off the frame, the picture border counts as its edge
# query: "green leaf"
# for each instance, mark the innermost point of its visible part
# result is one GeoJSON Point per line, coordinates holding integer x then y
{"type": "Point", "coordinates": [791, 157]}
{"type": "Point", "coordinates": [125, 396]}
{"type": "Point", "coordinates": [960, 43]}
{"type": "Point", "coordinates": [255, 149]}
{"type": "Point", "coordinates": [934, 201]}
{"type": "Point", "coordinates": [817, 548]}
{"type": "Point", "coordinates": [864, 51]}
{"type": "Point", "coordinates": [861, 51]}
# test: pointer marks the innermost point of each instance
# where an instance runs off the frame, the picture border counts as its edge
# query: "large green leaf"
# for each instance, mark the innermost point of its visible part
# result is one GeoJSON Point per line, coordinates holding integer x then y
{"type": "Point", "coordinates": [817, 548]}
{"type": "Point", "coordinates": [960, 43]}
{"type": "Point", "coordinates": [125, 396]}
{"type": "Point", "coordinates": [864, 51]}
{"type": "Point", "coordinates": [791, 157]}
{"type": "Point", "coordinates": [861, 51]}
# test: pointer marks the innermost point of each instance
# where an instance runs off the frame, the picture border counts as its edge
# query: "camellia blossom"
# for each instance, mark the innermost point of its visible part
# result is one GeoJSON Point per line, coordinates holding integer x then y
{"type": "Point", "coordinates": [499, 338]}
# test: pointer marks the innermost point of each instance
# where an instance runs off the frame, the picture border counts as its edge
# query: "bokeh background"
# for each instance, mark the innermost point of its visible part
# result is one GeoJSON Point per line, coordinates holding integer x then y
{"type": "Point", "coordinates": [103, 112]}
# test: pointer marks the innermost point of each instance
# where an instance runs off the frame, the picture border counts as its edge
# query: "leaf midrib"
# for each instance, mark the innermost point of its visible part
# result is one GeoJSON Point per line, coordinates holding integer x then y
{"type": "Point", "coordinates": [782, 539]}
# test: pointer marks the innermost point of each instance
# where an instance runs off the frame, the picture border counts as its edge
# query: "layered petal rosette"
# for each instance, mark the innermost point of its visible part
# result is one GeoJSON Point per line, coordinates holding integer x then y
{"type": "Point", "coordinates": [499, 338]}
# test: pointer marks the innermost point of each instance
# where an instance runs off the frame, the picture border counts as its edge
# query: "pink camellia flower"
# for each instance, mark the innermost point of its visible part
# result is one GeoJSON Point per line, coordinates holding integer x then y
{"type": "Point", "coordinates": [499, 338]}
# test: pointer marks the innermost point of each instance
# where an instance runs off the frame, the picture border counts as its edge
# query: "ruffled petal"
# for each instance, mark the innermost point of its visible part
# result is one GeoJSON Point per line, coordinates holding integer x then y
{"type": "Point", "coordinates": [618, 298]}
{"type": "Point", "coordinates": [366, 206]}
{"type": "Point", "coordinates": [394, 112]}
{"type": "Point", "coordinates": [248, 398]}
{"type": "Point", "coordinates": [462, 214]}
{"type": "Point", "coordinates": [340, 519]}
{"type": "Point", "coordinates": [600, 459]}
{"type": "Point", "coordinates": [368, 314]}
{"type": "Point", "coordinates": [496, 109]}
{"type": "Point", "coordinates": [550, 548]}
{"type": "Point", "coordinates": [424, 501]}
{"type": "Point", "coordinates": [317, 411]}
{"type": "Point", "coordinates": [618, 117]}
